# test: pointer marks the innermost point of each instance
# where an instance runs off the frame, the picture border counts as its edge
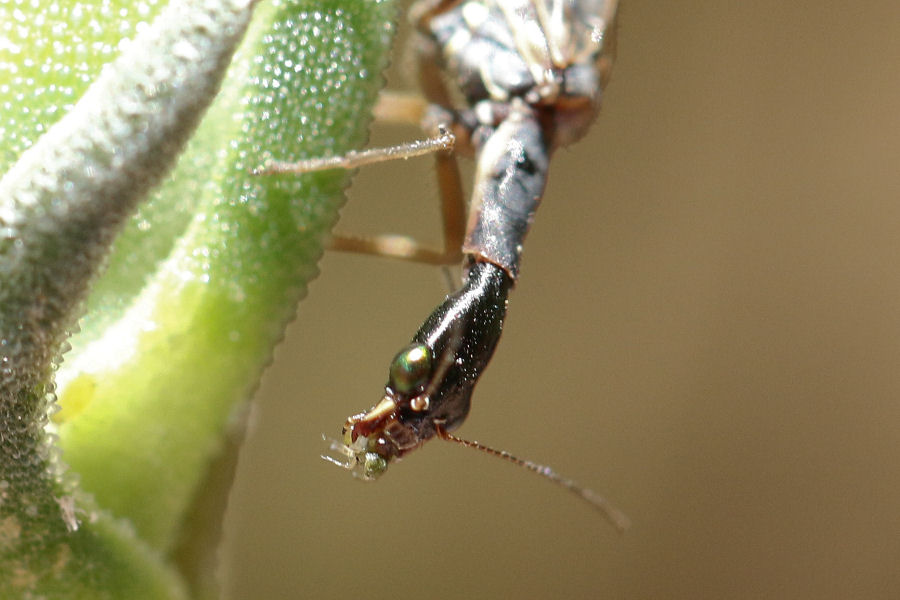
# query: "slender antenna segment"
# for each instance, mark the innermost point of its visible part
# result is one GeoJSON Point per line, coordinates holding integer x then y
{"type": "Point", "coordinates": [444, 140]}
{"type": "Point", "coordinates": [616, 517]}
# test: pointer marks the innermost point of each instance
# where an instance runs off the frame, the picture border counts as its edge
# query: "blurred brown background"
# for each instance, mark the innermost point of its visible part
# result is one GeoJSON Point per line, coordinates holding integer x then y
{"type": "Point", "coordinates": [707, 331]}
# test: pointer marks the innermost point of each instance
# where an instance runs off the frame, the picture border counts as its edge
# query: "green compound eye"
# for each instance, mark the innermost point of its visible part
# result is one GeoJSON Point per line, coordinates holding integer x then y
{"type": "Point", "coordinates": [411, 368]}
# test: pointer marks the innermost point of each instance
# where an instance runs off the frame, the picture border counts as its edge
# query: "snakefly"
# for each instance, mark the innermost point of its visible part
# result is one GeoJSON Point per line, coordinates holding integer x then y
{"type": "Point", "coordinates": [531, 74]}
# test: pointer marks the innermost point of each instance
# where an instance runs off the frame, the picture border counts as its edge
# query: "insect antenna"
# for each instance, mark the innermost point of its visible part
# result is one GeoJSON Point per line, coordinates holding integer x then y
{"type": "Point", "coordinates": [617, 518]}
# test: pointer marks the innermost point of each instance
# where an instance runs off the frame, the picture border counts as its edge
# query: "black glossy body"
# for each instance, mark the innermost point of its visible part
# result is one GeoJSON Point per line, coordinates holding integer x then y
{"type": "Point", "coordinates": [460, 336]}
{"type": "Point", "coordinates": [463, 332]}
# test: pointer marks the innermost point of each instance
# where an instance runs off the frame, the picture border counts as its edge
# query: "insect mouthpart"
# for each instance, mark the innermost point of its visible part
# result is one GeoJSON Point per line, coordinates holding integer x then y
{"type": "Point", "coordinates": [358, 457]}
{"type": "Point", "coordinates": [366, 448]}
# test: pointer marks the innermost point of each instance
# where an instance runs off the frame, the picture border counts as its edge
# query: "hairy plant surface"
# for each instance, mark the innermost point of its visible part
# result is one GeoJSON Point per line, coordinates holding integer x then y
{"type": "Point", "coordinates": [96, 102]}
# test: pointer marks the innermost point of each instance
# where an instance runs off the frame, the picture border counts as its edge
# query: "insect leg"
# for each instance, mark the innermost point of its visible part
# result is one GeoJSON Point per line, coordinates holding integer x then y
{"type": "Point", "coordinates": [406, 108]}
{"type": "Point", "coordinates": [402, 247]}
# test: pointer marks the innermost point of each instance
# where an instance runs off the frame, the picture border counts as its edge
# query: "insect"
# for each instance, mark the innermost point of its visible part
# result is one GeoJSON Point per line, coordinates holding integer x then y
{"type": "Point", "coordinates": [531, 74]}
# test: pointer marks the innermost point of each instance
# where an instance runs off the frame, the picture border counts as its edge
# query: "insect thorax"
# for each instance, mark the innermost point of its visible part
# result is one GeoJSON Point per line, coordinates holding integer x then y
{"type": "Point", "coordinates": [553, 54]}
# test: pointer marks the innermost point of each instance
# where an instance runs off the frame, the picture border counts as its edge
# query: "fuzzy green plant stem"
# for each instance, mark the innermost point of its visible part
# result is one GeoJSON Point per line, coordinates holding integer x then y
{"type": "Point", "coordinates": [150, 392]}
{"type": "Point", "coordinates": [60, 206]}
{"type": "Point", "coordinates": [65, 199]}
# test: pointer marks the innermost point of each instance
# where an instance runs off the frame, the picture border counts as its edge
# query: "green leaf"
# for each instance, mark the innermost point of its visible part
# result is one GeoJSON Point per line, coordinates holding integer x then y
{"type": "Point", "coordinates": [199, 287]}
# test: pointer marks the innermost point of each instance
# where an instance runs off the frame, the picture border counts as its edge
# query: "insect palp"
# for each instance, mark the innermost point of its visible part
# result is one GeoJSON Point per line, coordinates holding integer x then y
{"type": "Point", "coordinates": [362, 463]}
{"type": "Point", "coordinates": [337, 453]}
